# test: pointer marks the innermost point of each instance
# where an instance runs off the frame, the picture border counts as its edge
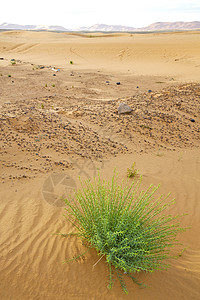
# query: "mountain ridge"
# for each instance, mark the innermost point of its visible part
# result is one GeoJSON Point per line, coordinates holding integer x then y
{"type": "Point", "coordinates": [158, 26]}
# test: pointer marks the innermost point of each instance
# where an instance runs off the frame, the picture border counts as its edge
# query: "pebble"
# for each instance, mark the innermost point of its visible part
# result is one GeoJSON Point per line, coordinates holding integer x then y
{"type": "Point", "coordinates": [124, 109]}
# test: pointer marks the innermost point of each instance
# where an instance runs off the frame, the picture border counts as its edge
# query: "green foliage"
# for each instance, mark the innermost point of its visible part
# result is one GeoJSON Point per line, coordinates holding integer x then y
{"type": "Point", "coordinates": [53, 85]}
{"type": "Point", "coordinates": [143, 126]}
{"type": "Point", "coordinates": [9, 75]}
{"type": "Point", "coordinates": [132, 172]}
{"type": "Point", "coordinates": [71, 62]}
{"type": "Point", "coordinates": [42, 106]}
{"type": "Point", "coordinates": [45, 85]}
{"type": "Point", "coordinates": [13, 63]}
{"type": "Point", "coordinates": [125, 225]}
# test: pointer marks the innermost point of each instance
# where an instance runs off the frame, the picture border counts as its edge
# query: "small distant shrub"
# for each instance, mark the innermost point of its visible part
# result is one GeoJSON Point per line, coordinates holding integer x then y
{"type": "Point", "coordinates": [53, 85]}
{"type": "Point", "coordinates": [13, 63]}
{"type": "Point", "coordinates": [45, 85]}
{"type": "Point", "coordinates": [143, 126]}
{"type": "Point", "coordinates": [159, 153]}
{"type": "Point", "coordinates": [125, 225]}
{"type": "Point", "coordinates": [42, 106]}
{"type": "Point", "coordinates": [9, 75]}
{"type": "Point", "coordinates": [132, 172]}
{"type": "Point", "coordinates": [71, 62]}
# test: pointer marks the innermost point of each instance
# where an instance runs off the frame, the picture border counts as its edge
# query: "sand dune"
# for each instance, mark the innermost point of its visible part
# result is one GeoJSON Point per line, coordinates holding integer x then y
{"type": "Point", "coordinates": [31, 257]}
{"type": "Point", "coordinates": [58, 125]}
{"type": "Point", "coordinates": [174, 54]}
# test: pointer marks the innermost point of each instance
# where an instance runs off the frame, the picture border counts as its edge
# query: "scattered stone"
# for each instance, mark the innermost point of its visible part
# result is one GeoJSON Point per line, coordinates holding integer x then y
{"type": "Point", "coordinates": [124, 109]}
{"type": "Point", "coordinates": [192, 120]}
{"type": "Point", "coordinates": [149, 91]}
{"type": "Point", "coordinates": [118, 83]}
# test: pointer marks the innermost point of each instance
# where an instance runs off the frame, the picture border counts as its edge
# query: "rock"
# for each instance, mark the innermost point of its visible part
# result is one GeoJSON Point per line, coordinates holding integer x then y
{"type": "Point", "coordinates": [117, 83]}
{"type": "Point", "coordinates": [149, 91]}
{"type": "Point", "coordinates": [124, 109]}
{"type": "Point", "coordinates": [192, 120]}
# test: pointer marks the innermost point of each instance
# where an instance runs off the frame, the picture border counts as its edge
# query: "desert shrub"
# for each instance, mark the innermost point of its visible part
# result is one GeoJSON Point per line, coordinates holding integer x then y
{"type": "Point", "coordinates": [125, 225]}
{"type": "Point", "coordinates": [132, 172]}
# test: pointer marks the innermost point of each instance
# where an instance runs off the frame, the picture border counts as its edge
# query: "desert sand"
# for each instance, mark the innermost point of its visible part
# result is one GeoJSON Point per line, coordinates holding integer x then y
{"type": "Point", "coordinates": [59, 121]}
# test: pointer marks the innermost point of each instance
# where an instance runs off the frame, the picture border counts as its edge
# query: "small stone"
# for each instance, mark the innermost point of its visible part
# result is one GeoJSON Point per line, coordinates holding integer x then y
{"type": "Point", "coordinates": [124, 109]}
{"type": "Point", "coordinates": [192, 120]}
{"type": "Point", "coordinates": [118, 83]}
{"type": "Point", "coordinates": [149, 91]}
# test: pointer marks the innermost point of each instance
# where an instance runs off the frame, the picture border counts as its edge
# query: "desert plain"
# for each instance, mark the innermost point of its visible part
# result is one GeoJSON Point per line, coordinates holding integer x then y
{"type": "Point", "coordinates": [59, 99]}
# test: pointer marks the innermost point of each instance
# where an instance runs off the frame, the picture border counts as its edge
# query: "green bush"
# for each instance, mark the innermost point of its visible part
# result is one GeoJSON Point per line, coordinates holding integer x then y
{"type": "Point", "coordinates": [132, 172]}
{"type": "Point", "coordinates": [125, 225]}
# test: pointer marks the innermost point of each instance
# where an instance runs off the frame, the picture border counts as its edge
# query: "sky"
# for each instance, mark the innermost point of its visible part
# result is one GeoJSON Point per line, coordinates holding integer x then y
{"type": "Point", "coordinates": [78, 13]}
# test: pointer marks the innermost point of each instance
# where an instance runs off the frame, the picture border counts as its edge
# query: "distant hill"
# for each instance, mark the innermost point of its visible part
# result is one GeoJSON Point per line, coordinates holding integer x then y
{"type": "Point", "coordinates": [32, 27]}
{"type": "Point", "coordinates": [104, 27]}
{"type": "Point", "coordinates": [159, 26]}
{"type": "Point", "coordinates": [172, 26]}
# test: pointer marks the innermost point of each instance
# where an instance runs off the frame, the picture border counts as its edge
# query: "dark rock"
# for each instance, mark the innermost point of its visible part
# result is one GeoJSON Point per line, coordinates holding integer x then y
{"type": "Point", "coordinates": [192, 120]}
{"type": "Point", "coordinates": [149, 91]}
{"type": "Point", "coordinates": [124, 109]}
{"type": "Point", "coordinates": [117, 83]}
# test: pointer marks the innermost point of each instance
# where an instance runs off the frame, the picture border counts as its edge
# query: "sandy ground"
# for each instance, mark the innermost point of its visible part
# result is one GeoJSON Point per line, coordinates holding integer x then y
{"type": "Point", "coordinates": [59, 121]}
